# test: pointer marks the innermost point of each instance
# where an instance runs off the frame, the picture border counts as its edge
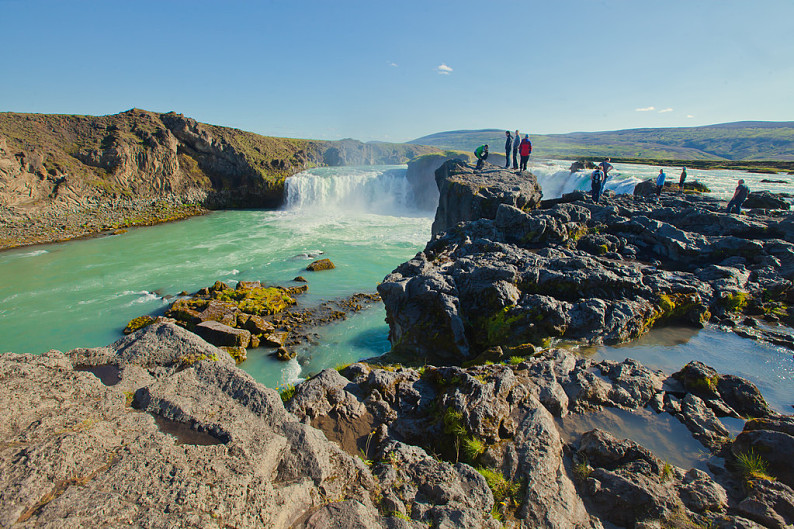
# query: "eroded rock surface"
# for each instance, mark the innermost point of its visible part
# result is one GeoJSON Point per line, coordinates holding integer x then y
{"type": "Point", "coordinates": [501, 274]}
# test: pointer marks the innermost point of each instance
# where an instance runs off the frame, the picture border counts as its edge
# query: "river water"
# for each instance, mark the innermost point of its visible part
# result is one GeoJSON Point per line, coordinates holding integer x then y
{"type": "Point", "coordinates": [82, 293]}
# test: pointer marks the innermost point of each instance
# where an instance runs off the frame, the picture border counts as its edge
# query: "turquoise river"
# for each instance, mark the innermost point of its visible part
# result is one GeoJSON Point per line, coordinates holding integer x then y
{"type": "Point", "coordinates": [82, 293]}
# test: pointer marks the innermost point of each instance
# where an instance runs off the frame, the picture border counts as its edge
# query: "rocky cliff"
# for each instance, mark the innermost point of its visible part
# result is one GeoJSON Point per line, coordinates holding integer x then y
{"type": "Point", "coordinates": [67, 176]}
{"type": "Point", "coordinates": [576, 270]}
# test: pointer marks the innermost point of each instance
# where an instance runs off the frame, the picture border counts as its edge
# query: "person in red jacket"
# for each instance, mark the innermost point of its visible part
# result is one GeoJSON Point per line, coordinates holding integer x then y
{"type": "Point", "coordinates": [525, 149]}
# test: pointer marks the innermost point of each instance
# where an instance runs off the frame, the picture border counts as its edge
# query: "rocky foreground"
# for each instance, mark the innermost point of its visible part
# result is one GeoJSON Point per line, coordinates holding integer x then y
{"type": "Point", "coordinates": [161, 429]}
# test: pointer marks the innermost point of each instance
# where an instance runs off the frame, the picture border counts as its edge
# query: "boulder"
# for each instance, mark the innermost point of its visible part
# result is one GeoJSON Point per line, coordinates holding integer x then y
{"type": "Point", "coordinates": [766, 200]}
{"type": "Point", "coordinates": [320, 264]}
{"type": "Point", "coordinates": [219, 334]}
{"type": "Point", "coordinates": [468, 195]}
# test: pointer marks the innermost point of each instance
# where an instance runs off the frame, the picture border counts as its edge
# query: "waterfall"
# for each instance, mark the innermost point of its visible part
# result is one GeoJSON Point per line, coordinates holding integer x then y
{"type": "Point", "coordinates": [379, 190]}
{"type": "Point", "coordinates": [555, 180]}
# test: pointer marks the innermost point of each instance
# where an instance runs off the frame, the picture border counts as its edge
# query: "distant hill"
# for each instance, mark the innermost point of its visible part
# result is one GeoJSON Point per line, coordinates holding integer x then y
{"type": "Point", "coordinates": [743, 140]}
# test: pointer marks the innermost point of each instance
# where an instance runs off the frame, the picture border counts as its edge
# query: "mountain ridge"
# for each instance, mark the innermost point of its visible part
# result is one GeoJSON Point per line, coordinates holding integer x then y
{"type": "Point", "coordinates": [737, 141]}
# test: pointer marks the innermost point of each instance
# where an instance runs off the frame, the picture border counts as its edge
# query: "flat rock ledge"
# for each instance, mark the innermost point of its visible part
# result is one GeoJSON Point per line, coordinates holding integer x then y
{"type": "Point", "coordinates": [161, 429]}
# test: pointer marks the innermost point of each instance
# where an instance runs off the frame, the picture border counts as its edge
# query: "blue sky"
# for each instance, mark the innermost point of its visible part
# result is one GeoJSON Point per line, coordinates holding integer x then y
{"type": "Point", "coordinates": [395, 71]}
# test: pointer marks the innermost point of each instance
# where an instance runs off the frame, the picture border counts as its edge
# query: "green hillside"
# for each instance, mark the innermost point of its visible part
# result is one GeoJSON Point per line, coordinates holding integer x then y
{"type": "Point", "coordinates": [746, 141]}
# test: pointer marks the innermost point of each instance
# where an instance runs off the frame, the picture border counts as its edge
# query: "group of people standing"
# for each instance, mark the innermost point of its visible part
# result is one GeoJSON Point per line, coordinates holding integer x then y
{"type": "Point", "coordinates": [599, 178]}
{"type": "Point", "coordinates": [661, 178]}
{"type": "Point", "coordinates": [517, 146]}
{"type": "Point", "coordinates": [513, 144]}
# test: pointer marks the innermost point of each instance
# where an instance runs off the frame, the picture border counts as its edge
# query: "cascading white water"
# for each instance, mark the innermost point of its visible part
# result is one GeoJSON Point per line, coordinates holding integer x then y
{"type": "Point", "coordinates": [378, 190]}
{"type": "Point", "coordinates": [555, 179]}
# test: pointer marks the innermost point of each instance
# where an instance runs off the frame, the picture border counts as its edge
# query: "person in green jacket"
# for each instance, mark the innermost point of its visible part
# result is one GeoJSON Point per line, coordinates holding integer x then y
{"type": "Point", "coordinates": [481, 153]}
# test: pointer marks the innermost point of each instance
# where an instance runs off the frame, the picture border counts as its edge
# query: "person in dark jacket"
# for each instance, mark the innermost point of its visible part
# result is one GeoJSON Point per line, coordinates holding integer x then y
{"type": "Point", "coordinates": [596, 184]}
{"type": "Point", "coordinates": [739, 196]}
{"type": "Point", "coordinates": [516, 144]}
{"type": "Point", "coordinates": [481, 153]}
{"type": "Point", "coordinates": [526, 150]}
{"type": "Point", "coordinates": [681, 181]}
{"type": "Point", "coordinates": [508, 148]}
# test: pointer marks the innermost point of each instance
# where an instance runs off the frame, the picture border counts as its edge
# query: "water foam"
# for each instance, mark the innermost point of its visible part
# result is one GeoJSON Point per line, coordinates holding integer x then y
{"type": "Point", "coordinates": [379, 190]}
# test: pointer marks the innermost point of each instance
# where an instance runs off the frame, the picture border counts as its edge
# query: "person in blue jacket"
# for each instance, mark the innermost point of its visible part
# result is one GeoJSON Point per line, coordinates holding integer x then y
{"type": "Point", "coordinates": [660, 182]}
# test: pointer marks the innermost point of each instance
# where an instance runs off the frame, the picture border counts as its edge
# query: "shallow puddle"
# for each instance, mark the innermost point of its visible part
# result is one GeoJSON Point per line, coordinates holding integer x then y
{"type": "Point", "coordinates": [184, 434]}
{"type": "Point", "coordinates": [109, 375]}
{"type": "Point", "coordinates": [661, 433]}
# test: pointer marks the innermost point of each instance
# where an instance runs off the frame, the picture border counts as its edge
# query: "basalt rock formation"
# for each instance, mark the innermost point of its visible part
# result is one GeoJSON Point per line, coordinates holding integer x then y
{"type": "Point", "coordinates": [576, 270]}
{"type": "Point", "coordinates": [66, 176]}
{"type": "Point", "coordinates": [466, 194]}
{"type": "Point", "coordinates": [161, 429]}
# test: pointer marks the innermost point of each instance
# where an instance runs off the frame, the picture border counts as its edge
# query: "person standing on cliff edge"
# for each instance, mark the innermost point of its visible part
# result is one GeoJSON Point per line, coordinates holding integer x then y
{"type": "Point", "coordinates": [481, 153]}
{"type": "Point", "coordinates": [516, 144]}
{"type": "Point", "coordinates": [681, 182]}
{"type": "Point", "coordinates": [508, 148]}
{"type": "Point", "coordinates": [526, 150]}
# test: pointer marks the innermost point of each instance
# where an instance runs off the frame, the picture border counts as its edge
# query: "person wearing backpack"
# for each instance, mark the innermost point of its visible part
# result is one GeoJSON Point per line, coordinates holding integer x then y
{"type": "Point", "coordinates": [526, 149]}
{"type": "Point", "coordinates": [596, 183]}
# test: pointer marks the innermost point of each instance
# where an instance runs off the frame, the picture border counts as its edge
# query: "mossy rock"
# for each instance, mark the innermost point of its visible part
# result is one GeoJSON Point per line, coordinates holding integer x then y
{"type": "Point", "coordinates": [238, 353]}
{"type": "Point", "coordinates": [321, 264]}
{"type": "Point", "coordinates": [259, 301]}
{"type": "Point", "coordinates": [138, 323]}
{"type": "Point", "coordinates": [734, 301]}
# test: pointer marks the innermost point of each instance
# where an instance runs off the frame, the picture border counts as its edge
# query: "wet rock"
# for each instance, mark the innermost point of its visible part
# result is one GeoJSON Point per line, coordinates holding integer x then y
{"type": "Point", "coordinates": [284, 354]}
{"type": "Point", "coordinates": [320, 264]}
{"type": "Point", "coordinates": [257, 324]}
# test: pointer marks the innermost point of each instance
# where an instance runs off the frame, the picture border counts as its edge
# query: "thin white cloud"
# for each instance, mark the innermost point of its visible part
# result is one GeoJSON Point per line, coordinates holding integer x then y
{"type": "Point", "coordinates": [689, 116]}
{"type": "Point", "coordinates": [392, 64]}
{"type": "Point", "coordinates": [665, 110]}
{"type": "Point", "coordinates": [443, 69]}
{"type": "Point", "coordinates": [646, 109]}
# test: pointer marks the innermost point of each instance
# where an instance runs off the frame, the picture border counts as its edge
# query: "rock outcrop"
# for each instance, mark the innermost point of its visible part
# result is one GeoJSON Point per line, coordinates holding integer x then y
{"type": "Point", "coordinates": [421, 174]}
{"type": "Point", "coordinates": [466, 194]}
{"type": "Point", "coordinates": [594, 273]}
